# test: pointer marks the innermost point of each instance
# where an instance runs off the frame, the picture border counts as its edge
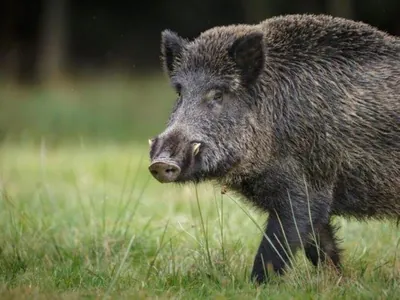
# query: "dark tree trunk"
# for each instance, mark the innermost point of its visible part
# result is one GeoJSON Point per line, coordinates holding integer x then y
{"type": "Point", "coordinates": [28, 16]}
{"type": "Point", "coordinates": [52, 40]}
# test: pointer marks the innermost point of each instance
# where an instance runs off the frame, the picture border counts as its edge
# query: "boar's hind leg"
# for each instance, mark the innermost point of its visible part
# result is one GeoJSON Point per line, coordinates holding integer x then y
{"type": "Point", "coordinates": [287, 230]}
{"type": "Point", "coordinates": [323, 247]}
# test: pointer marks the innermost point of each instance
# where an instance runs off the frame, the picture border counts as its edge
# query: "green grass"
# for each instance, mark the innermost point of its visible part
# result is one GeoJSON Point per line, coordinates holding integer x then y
{"type": "Point", "coordinates": [112, 108]}
{"type": "Point", "coordinates": [81, 217]}
{"type": "Point", "coordinates": [89, 222]}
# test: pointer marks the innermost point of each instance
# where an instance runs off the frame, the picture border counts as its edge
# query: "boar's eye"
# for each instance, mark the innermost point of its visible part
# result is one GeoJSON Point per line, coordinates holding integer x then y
{"type": "Point", "coordinates": [215, 95]}
{"type": "Point", "coordinates": [178, 89]}
{"type": "Point", "coordinates": [218, 96]}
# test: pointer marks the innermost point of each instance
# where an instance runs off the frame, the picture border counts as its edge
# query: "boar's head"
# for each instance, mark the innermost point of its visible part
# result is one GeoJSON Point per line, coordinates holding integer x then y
{"type": "Point", "coordinates": [213, 124]}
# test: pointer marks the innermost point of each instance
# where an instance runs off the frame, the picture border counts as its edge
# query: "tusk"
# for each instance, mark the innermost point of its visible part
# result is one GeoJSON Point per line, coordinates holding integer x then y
{"type": "Point", "coordinates": [196, 148]}
{"type": "Point", "coordinates": [150, 142]}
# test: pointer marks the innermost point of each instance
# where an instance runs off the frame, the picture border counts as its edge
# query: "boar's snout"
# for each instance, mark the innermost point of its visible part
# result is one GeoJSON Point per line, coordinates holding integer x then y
{"type": "Point", "coordinates": [173, 157]}
{"type": "Point", "coordinates": [164, 171]}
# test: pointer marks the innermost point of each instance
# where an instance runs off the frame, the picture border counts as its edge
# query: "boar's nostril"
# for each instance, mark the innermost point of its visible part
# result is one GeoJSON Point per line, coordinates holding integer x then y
{"type": "Point", "coordinates": [170, 170]}
{"type": "Point", "coordinates": [164, 172]}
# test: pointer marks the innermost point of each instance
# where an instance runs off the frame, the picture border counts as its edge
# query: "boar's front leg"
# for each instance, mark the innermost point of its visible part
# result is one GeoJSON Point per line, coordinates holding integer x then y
{"type": "Point", "coordinates": [288, 228]}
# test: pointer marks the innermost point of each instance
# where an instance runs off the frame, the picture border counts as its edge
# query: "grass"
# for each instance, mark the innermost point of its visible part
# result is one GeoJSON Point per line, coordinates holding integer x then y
{"type": "Point", "coordinates": [89, 222]}
{"type": "Point", "coordinates": [112, 108]}
{"type": "Point", "coordinates": [81, 218]}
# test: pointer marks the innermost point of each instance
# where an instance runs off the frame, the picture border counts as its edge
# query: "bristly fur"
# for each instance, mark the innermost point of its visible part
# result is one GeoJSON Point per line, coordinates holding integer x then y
{"type": "Point", "coordinates": [309, 121]}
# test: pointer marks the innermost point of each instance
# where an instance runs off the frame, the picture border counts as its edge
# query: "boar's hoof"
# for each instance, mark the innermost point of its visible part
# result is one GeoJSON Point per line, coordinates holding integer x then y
{"type": "Point", "coordinates": [164, 172]}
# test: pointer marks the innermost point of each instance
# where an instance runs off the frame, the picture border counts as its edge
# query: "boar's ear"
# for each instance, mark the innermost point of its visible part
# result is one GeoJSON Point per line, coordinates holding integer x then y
{"type": "Point", "coordinates": [248, 54]}
{"type": "Point", "coordinates": [171, 49]}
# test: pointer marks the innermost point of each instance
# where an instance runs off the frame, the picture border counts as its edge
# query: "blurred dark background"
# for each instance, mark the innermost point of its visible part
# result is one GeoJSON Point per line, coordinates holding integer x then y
{"type": "Point", "coordinates": [91, 69]}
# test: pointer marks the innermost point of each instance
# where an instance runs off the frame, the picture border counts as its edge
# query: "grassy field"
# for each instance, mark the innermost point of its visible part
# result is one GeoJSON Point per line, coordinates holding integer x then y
{"type": "Point", "coordinates": [81, 218]}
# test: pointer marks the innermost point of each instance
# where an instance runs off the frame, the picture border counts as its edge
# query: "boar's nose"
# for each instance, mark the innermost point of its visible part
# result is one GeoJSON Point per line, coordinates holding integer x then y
{"type": "Point", "coordinates": [164, 172]}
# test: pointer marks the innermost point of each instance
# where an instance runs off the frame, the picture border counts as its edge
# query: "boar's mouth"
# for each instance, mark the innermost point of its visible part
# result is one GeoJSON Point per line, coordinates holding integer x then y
{"type": "Point", "coordinates": [174, 166]}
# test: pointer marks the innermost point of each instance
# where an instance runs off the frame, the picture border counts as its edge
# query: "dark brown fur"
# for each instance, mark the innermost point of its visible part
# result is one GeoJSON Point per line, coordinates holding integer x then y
{"type": "Point", "coordinates": [309, 121]}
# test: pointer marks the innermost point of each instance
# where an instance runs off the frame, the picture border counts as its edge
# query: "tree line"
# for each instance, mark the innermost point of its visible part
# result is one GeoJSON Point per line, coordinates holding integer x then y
{"type": "Point", "coordinates": [43, 39]}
